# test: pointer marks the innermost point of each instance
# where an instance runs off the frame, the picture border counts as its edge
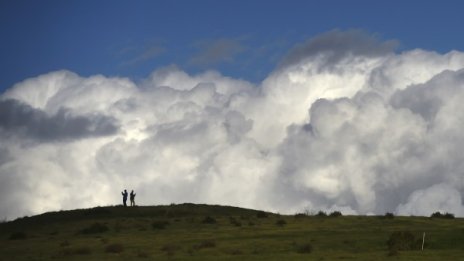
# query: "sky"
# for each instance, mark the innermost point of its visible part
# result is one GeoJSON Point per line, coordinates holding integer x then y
{"type": "Point", "coordinates": [283, 106]}
{"type": "Point", "coordinates": [244, 39]}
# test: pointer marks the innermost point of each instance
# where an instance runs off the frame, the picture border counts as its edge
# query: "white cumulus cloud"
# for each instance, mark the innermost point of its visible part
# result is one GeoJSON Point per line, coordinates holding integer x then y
{"type": "Point", "coordinates": [344, 123]}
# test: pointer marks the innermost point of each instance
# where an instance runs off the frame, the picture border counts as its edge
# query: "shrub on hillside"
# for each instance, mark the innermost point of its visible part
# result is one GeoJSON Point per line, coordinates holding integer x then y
{"type": "Point", "coordinates": [17, 236]}
{"type": "Point", "coordinates": [22, 218]}
{"type": "Point", "coordinates": [321, 214]}
{"type": "Point", "coordinates": [449, 215]}
{"type": "Point", "coordinates": [98, 211]}
{"type": "Point", "coordinates": [336, 214]}
{"type": "Point", "coordinates": [440, 215]}
{"type": "Point", "coordinates": [95, 228]}
{"type": "Point", "coordinates": [209, 220]}
{"type": "Point", "coordinates": [389, 215]}
{"type": "Point", "coordinates": [403, 240]}
{"type": "Point", "coordinates": [281, 222]}
{"type": "Point", "coordinates": [300, 215]}
{"type": "Point", "coordinates": [235, 222]}
{"type": "Point", "coordinates": [261, 214]}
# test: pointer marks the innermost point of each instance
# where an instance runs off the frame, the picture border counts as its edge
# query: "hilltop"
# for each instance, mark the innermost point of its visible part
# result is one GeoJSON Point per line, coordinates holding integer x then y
{"type": "Point", "coordinates": [206, 232]}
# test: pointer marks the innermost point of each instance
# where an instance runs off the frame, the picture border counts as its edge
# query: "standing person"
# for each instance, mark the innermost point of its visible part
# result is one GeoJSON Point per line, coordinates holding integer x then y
{"type": "Point", "coordinates": [124, 197]}
{"type": "Point", "coordinates": [132, 198]}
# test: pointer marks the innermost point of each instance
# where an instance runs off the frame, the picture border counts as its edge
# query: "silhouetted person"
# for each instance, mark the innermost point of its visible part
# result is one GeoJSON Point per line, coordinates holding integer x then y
{"type": "Point", "coordinates": [124, 197]}
{"type": "Point", "coordinates": [132, 198]}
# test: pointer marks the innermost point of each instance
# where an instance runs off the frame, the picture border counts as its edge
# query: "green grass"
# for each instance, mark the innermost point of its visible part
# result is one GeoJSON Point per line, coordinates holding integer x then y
{"type": "Point", "coordinates": [187, 231]}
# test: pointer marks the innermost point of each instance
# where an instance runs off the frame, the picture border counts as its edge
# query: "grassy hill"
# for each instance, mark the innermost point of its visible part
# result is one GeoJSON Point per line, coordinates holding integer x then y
{"type": "Point", "coordinates": [205, 232]}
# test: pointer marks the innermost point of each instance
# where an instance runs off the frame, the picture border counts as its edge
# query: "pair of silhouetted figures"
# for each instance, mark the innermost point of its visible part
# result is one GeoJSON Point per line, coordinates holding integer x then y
{"type": "Point", "coordinates": [132, 198]}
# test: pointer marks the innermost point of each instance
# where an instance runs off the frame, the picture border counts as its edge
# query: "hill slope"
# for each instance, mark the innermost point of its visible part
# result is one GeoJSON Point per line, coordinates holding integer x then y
{"type": "Point", "coordinates": [204, 232]}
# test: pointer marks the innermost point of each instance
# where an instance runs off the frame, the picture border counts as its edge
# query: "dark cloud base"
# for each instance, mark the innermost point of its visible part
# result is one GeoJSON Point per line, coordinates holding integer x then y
{"type": "Point", "coordinates": [17, 118]}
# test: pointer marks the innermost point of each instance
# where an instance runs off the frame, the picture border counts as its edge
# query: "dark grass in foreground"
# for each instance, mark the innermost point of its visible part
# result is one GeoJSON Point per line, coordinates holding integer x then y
{"type": "Point", "coordinates": [204, 232]}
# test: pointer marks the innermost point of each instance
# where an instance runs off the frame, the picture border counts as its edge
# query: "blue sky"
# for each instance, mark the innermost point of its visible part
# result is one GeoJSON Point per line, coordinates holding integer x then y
{"type": "Point", "coordinates": [241, 39]}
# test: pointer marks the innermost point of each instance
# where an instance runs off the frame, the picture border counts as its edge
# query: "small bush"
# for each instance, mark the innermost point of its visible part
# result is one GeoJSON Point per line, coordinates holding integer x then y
{"type": "Point", "coordinates": [17, 236]}
{"type": "Point", "coordinates": [114, 248]}
{"type": "Point", "coordinates": [235, 222]}
{"type": "Point", "coordinates": [208, 220]}
{"type": "Point", "coordinates": [95, 228]}
{"type": "Point", "coordinates": [321, 214]}
{"type": "Point", "coordinates": [281, 222]}
{"type": "Point", "coordinates": [261, 214]}
{"type": "Point", "coordinates": [440, 215]}
{"type": "Point", "coordinates": [300, 215]}
{"type": "Point", "coordinates": [98, 211]}
{"type": "Point", "coordinates": [403, 240]}
{"type": "Point", "coordinates": [304, 248]}
{"type": "Point", "coordinates": [336, 214]}
{"type": "Point", "coordinates": [159, 224]}
{"type": "Point", "coordinates": [21, 218]}
{"type": "Point", "coordinates": [389, 215]}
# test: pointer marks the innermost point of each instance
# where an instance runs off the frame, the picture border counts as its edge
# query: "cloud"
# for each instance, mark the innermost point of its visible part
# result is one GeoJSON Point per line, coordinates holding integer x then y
{"type": "Point", "coordinates": [217, 51]}
{"type": "Point", "coordinates": [439, 197]}
{"type": "Point", "coordinates": [134, 55]}
{"type": "Point", "coordinates": [359, 129]}
{"type": "Point", "coordinates": [148, 54]}
{"type": "Point", "coordinates": [332, 46]}
{"type": "Point", "coordinates": [19, 118]}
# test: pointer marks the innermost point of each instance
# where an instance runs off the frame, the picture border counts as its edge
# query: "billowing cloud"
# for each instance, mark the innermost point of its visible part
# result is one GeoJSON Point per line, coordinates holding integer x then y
{"type": "Point", "coordinates": [347, 124]}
